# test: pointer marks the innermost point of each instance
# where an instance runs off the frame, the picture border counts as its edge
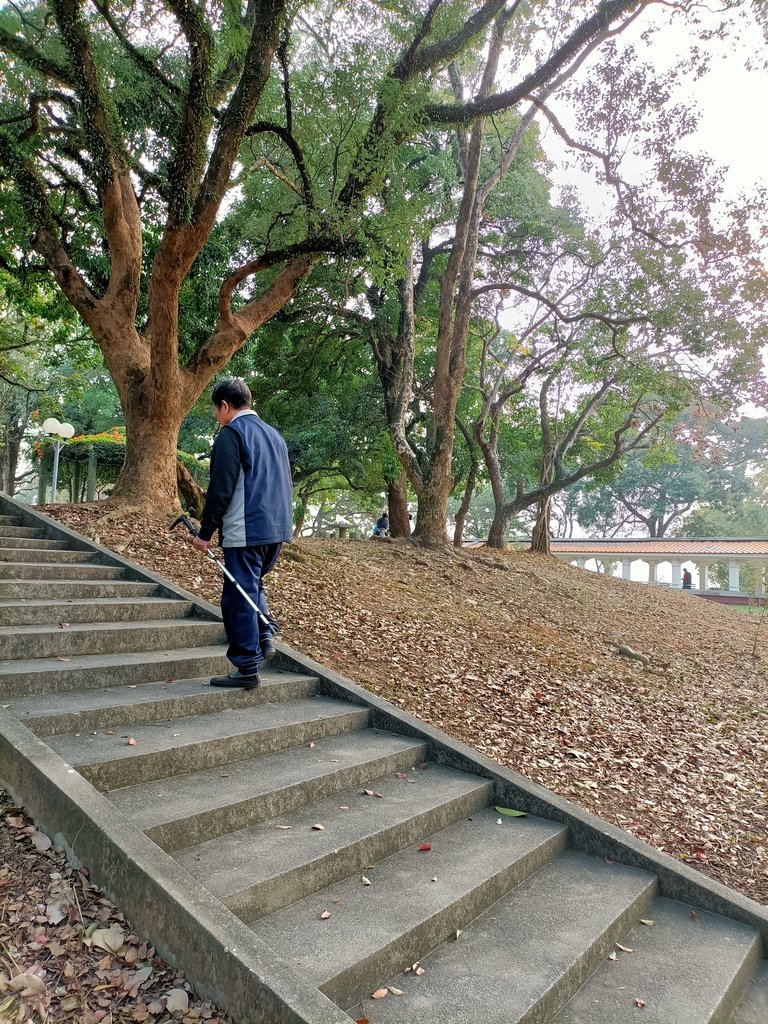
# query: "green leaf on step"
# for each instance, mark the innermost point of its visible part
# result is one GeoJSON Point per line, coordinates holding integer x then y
{"type": "Point", "coordinates": [510, 813]}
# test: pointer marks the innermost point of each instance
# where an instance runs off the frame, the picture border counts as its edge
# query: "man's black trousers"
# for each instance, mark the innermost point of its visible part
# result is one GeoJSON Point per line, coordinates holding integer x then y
{"type": "Point", "coordinates": [243, 627]}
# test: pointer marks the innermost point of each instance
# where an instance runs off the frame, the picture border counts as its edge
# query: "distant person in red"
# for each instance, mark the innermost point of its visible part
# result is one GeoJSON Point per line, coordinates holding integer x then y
{"type": "Point", "coordinates": [687, 579]}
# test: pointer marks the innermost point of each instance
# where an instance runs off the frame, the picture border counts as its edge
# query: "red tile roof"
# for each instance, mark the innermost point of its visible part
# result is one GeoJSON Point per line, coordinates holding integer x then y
{"type": "Point", "coordinates": [723, 546]}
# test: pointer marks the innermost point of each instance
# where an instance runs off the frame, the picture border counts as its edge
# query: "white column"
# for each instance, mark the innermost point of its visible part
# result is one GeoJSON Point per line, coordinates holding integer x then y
{"type": "Point", "coordinates": [703, 579]}
{"type": "Point", "coordinates": [733, 576]}
{"type": "Point", "coordinates": [581, 563]}
{"type": "Point", "coordinates": [762, 578]}
{"type": "Point", "coordinates": [626, 568]}
{"type": "Point", "coordinates": [653, 572]}
{"type": "Point", "coordinates": [677, 579]}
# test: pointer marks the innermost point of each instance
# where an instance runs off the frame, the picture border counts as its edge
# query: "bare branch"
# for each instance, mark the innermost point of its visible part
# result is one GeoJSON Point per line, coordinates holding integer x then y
{"type": "Point", "coordinates": [146, 64]}
{"type": "Point", "coordinates": [607, 12]}
{"type": "Point", "coordinates": [554, 307]}
{"type": "Point", "coordinates": [262, 127]}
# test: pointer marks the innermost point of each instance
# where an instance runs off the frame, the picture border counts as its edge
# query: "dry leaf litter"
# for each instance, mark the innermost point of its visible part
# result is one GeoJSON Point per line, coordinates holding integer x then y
{"type": "Point", "coordinates": [67, 953]}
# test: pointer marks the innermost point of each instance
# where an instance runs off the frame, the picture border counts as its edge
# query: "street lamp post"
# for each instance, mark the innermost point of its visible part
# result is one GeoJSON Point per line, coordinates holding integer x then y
{"type": "Point", "coordinates": [60, 434]}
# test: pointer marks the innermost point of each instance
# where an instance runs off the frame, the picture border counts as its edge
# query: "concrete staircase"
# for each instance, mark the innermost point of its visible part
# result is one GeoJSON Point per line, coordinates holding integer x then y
{"type": "Point", "coordinates": [272, 841]}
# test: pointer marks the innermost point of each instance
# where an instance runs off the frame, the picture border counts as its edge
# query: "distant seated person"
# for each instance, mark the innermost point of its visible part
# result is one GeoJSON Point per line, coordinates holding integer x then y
{"type": "Point", "coordinates": [381, 529]}
{"type": "Point", "coordinates": [687, 579]}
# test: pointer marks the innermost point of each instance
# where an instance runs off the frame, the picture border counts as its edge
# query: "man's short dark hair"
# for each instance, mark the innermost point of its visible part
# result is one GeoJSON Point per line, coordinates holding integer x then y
{"type": "Point", "coordinates": [234, 391]}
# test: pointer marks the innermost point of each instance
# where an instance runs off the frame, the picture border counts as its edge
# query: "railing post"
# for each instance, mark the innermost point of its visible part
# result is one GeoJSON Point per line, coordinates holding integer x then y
{"type": "Point", "coordinates": [42, 485]}
{"type": "Point", "coordinates": [90, 486]}
{"type": "Point", "coordinates": [733, 576]}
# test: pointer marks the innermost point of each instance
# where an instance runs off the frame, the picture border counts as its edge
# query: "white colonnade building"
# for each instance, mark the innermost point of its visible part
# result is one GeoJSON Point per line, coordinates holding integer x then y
{"type": "Point", "coordinates": [697, 554]}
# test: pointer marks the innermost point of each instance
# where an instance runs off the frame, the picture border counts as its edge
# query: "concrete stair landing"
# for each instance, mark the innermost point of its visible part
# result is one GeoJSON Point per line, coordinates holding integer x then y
{"type": "Point", "coordinates": [335, 846]}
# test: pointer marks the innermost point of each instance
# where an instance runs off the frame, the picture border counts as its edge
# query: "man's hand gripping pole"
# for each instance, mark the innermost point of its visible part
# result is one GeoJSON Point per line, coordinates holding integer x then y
{"type": "Point", "coordinates": [186, 521]}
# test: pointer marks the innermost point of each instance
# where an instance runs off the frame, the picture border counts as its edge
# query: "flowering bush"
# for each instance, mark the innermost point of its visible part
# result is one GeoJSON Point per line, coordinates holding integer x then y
{"type": "Point", "coordinates": [109, 449]}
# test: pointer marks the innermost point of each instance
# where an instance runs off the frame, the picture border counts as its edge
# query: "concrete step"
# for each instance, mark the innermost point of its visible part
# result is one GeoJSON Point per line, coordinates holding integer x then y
{"type": "Point", "coordinates": [10, 520]}
{"type": "Point", "coordinates": [22, 543]}
{"type": "Point", "coordinates": [260, 869]}
{"type": "Point", "coordinates": [690, 971]}
{"type": "Point", "coordinates": [59, 571]}
{"type": "Point", "coordinates": [196, 742]}
{"type": "Point", "coordinates": [520, 960]}
{"type": "Point", "coordinates": [43, 556]}
{"type": "Point", "coordinates": [416, 901]}
{"type": "Point", "coordinates": [74, 590]}
{"type": "Point", "coordinates": [88, 710]}
{"type": "Point", "coordinates": [753, 1009]}
{"type": "Point", "coordinates": [82, 638]}
{"type": "Point", "coordinates": [39, 611]}
{"type": "Point", "coordinates": [97, 671]}
{"type": "Point", "coordinates": [21, 531]}
{"type": "Point", "coordinates": [185, 810]}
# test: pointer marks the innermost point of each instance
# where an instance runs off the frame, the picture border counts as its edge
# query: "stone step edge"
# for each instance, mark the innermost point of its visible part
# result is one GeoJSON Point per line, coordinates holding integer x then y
{"type": "Point", "coordinates": [263, 898]}
{"type": "Point", "coordinates": [50, 629]}
{"type": "Point", "coordinates": [238, 972]}
{"type": "Point", "coordinates": [152, 766]}
{"type": "Point", "coordinates": [80, 662]}
{"type": "Point", "coordinates": [104, 671]}
{"type": "Point", "coordinates": [367, 974]}
{"type": "Point", "coordinates": [292, 796]}
{"type": "Point", "coordinates": [170, 705]}
{"type": "Point", "coordinates": [135, 573]}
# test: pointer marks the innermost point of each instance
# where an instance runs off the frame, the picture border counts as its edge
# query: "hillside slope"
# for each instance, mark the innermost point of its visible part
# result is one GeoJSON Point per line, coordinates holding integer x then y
{"type": "Point", "coordinates": [517, 656]}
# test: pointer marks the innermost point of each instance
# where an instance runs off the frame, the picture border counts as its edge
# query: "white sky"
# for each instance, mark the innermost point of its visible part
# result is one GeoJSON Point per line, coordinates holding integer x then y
{"type": "Point", "coordinates": [730, 99]}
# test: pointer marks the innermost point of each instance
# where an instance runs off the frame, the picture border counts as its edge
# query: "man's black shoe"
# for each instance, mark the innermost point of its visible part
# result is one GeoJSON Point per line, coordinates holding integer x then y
{"type": "Point", "coordinates": [238, 679]}
{"type": "Point", "coordinates": [267, 645]}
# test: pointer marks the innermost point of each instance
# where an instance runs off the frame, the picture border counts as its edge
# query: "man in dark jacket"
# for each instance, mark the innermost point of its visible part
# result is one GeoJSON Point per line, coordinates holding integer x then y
{"type": "Point", "coordinates": [249, 501]}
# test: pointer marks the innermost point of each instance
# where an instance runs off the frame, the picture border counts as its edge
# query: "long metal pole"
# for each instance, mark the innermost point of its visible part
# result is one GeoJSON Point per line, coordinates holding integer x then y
{"type": "Point", "coordinates": [56, 449]}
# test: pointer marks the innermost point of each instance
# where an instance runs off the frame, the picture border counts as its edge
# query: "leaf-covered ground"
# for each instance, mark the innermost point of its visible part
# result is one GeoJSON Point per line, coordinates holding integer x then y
{"type": "Point", "coordinates": [67, 953]}
{"type": "Point", "coordinates": [517, 656]}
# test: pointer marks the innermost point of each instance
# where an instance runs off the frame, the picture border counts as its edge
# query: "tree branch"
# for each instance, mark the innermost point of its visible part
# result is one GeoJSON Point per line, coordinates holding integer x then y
{"type": "Point", "coordinates": [98, 120]}
{"type": "Point", "coordinates": [148, 66]}
{"type": "Point", "coordinates": [553, 306]}
{"type": "Point", "coordinates": [186, 168]}
{"type": "Point", "coordinates": [608, 11]}
{"type": "Point", "coordinates": [34, 199]}
{"type": "Point", "coordinates": [261, 127]}
{"type": "Point", "coordinates": [32, 56]}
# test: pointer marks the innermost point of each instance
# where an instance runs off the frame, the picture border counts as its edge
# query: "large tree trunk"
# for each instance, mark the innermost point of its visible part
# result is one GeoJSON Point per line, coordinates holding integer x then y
{"type": "Point", "coordinates": [489, 448]}
{"type": "Point", "coordinates": [190, 490]}
{"type": "Point", "coordinates": [431, 526]}
{"type": "Point", "coordinates": [301, 509]}
{"type": "Point", "coordinates": [466, 500]}
{"type": "Point", "coordinates": [148, 477]}
{"type": "Point", "coordinates": [541, 533]}
{"type": "Point", "coordinates": [498, 531]}
{"type": "Point", "coordinates": [397, 499]}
